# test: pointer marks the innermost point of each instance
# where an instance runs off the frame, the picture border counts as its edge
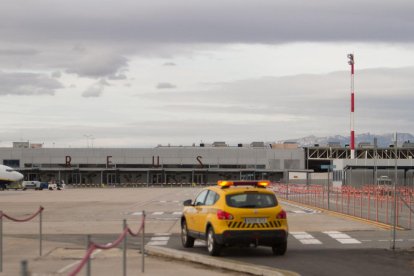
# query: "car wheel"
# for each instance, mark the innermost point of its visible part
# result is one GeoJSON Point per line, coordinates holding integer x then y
{"type": "Point", "coordinates": [213, 247]}
{"type": "Point", "coordinates": [186, 240]}
{"type": "Point", "coordinates": [279, 249]}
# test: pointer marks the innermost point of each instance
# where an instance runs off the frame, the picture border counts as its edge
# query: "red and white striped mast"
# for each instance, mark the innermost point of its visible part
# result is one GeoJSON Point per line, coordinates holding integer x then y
{"type": "Point", "coordinates": [352, 137]}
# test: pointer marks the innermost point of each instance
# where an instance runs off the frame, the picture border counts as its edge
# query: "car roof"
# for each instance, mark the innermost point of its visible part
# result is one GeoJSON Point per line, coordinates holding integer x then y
{"type": "Point", "coordinates": [239, 189]}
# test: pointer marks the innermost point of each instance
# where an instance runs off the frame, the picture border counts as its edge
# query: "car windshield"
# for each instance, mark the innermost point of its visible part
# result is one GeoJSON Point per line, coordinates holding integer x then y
{"type": "Point", "coordinates": [251, 200]}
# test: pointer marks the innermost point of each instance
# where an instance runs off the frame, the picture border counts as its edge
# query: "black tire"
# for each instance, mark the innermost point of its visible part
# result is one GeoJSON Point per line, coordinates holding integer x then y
{"type": "Point", "coordinates": [279, 249]}
{"type": "Point", "coordinates": [213, 247]}
{"type": "Point", "coordinates": [186, 240]}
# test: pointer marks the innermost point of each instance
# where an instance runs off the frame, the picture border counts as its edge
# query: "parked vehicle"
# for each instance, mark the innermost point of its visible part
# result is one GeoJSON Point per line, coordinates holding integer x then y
{"type": "Point", "coordinates": [32, 185]}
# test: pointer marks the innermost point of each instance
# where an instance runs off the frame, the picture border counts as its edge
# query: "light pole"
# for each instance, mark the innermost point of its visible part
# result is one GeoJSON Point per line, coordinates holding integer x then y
{"type": "Point", "coordinates": [394, 228]}
{"type": "Point", "coordinates": [87, 136]}
{"type": "Point", "coordinates": [351, 62]}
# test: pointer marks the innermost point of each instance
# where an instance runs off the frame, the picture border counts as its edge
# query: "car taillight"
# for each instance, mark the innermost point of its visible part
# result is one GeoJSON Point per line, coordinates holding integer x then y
{"type": "Point", "coordinates": [224, 215]}
{"type": "Point", "coordinates": [281, 215]}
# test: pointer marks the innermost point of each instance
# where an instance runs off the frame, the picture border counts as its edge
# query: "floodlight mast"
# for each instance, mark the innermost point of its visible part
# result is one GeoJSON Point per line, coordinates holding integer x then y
{"type": "Point", "coordinates": [352, 120]}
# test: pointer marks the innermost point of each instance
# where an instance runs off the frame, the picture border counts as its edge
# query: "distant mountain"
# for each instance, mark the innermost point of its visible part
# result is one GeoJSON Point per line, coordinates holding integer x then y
{"type": "Point", "coordinates": [383, 140]}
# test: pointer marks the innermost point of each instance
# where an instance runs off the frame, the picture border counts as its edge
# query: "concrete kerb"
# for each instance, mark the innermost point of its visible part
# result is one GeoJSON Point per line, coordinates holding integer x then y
{"type": "Point", "coordinates": [215, 262]}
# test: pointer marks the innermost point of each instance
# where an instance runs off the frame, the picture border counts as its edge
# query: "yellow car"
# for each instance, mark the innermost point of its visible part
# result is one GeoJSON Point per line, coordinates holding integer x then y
{"type": "Point", "coordinates": [235, 213]}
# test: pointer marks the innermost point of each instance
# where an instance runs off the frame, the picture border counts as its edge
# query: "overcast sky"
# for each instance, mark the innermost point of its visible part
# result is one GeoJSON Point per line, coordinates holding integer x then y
{"type": "Point", "coordinates": [136, 73]}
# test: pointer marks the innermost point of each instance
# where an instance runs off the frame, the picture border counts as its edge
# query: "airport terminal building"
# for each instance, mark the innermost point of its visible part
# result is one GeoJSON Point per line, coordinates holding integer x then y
{"type": "Point", "coordinates": [162, 165]}
{"type": "Point", "coordinates": [205, 164]}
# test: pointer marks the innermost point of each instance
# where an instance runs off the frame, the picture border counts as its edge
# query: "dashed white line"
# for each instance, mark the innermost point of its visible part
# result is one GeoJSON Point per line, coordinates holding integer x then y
{"type": "Point", "coordinates": [162, 234]}
{"type": "Point", "coordinates": [157, 242]}
{"type": "Point", "coordinates": [341, 237]}
{"type": "Point", "coordinates": [199, 243]}
{"type": "Point", "coordinates": [160, 238]}
{"type": "Point", "coordinates": [305, 238]}
{"type": "Point", "coordinates": [157, 213]}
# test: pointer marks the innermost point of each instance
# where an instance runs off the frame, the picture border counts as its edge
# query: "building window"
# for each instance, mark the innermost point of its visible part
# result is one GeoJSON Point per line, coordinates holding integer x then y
{"type": "Point", "coordinates": [14, 163]}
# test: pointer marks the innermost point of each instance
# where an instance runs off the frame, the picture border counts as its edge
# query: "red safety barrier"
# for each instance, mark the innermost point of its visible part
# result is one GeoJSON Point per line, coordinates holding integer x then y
{"type": "Point", "coordinates": [373, 202]}
{"type": "Point", "coordinates": [39, 212]}
{"type": "Point", "coordinates": [21, 220]}
{"type": "Point", "coordinates": [93, 246]}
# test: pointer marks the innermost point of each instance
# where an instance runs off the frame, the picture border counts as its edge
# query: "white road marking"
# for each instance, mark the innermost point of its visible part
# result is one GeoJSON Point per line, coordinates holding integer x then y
{"type": "Point", "coordinates": [199, 243]}
{"type": "Point", "coordinates": [310, 210]}
{"type": "Point", "coordinates": [137, 214]}
{"type": "Point", "coordinates": [157, 213]}
{"type": "Point", "coordinates": [177, 213]}
{"type": "Point", "coordinates": [157, 242]}
{"type": "Point", "coordinates": [160, 238]}
{"type": "Point", "coordinates": [342, 237]}
{"type": "Point", "coordinates": [162, 234]}
{"type": "Point", "coordinates": [305, 238]}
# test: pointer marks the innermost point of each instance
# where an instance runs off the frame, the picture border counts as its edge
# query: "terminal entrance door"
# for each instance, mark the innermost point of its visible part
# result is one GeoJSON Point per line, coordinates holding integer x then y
{"type": "Point", "coordinates": [32, 177]}
{"type": "Point", "coordinates": [75, 178]}
{"type": "Point", "coordinates": [111, 179]}
{"type": "Point", "coordinates": [199, 178]}
{"type": "Point", "coordinates": [157, 178]}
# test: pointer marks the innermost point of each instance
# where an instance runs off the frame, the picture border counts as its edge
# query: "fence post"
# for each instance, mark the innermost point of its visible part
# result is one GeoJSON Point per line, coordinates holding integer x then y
{"type": "Point", "coordinates": [1, 241]}
{"type": "Point", "coordinates": [142, 243]}
{"type": "Point", "coordinates": [24, 270]}
{"type": "Point", "coordinates": [88, 264]}
{"type": "Point", "coordinates": [40, 232]}
{"type": "Point", "coordinates": [124, 256]}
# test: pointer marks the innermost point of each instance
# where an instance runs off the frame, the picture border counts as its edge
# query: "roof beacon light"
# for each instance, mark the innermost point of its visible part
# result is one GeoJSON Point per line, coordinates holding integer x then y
{"type": "Point", "coordinates": [263, 183]}
{"type": "Point", "coordinates": [257, 183]}
{"type": "Point", "coordinates": [225, 183]}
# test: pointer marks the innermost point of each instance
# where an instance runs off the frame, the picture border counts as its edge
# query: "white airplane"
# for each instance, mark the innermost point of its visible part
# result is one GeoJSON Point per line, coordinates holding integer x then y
{"type": "Point", "coordinates": [8, 175]}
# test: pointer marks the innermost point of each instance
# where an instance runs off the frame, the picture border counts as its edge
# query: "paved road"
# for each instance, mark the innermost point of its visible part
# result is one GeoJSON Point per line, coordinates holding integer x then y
{"type": "Point", "coordinates": [319, 244]}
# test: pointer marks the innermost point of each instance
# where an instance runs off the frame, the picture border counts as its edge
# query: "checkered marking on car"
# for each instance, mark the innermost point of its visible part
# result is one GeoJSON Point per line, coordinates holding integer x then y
{"type": "Point", "coordinates": [240, 224]}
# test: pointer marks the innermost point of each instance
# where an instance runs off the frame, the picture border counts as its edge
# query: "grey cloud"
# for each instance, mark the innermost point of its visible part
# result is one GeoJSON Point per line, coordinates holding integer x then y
{"type": "Point", "coordinates": [18, 52]}
{"type": "Point", "coordinates": [170, 64]}
{"type": "Point", "coordinates": [96, 65]}
{"type": "Point", "coordinates": [27, 84]}
{"type": "Point", "coordinates": [165, 85]}
{"type": "Point", "coordinates": [382, 95]}
{"type": "Point", "coordinates": [96, 89]}
{"type": "Point", "coordinates": [215, 21]}
{"type": "Point", "coordinates": [56, 74]}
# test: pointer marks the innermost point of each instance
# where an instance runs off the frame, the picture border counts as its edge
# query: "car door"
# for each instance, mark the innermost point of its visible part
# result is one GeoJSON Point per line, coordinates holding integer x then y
{"type": "Point", "coordinates": [198, 216]}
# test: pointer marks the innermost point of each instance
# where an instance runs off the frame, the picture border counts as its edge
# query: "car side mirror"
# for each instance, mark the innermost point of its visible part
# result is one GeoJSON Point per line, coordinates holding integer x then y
{"type": "Point", "coordinates": [187, 202]}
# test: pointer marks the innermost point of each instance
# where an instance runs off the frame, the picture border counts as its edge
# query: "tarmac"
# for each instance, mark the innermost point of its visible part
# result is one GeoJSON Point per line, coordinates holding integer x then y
{"type": "Point", "coordinates": [79, 212]}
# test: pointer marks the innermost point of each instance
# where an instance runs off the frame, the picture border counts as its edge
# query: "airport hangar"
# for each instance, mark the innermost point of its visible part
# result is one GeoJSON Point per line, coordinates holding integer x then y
{"type": "Point", "coordinates": [206, 163]}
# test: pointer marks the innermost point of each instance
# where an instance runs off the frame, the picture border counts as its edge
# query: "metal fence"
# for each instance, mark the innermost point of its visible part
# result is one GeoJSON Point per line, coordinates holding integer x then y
{"type": "Point", "coordinates": [369, 202]}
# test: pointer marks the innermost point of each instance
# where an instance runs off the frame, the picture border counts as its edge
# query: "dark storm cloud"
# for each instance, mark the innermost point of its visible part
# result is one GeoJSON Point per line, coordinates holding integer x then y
{"type": "Point", "coordinates": [27, 84]}
{"type": "Point", "coordinates": [215, 21]}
